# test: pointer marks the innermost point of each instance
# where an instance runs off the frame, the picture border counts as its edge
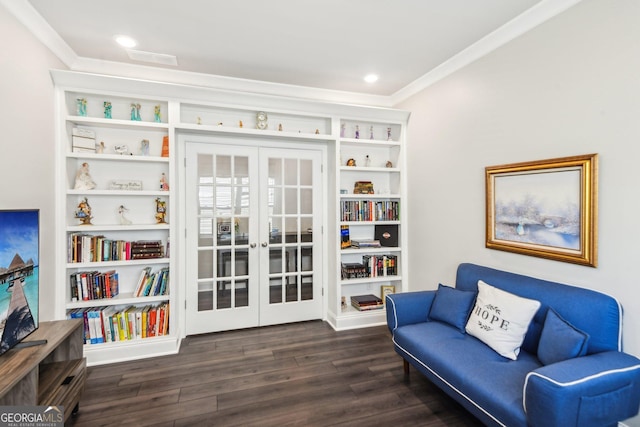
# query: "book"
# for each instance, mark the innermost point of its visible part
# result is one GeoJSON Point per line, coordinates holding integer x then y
{"type": "Point", "coordinates": [141, 281]}
{"type": "Point", "coordinates": [366, 243]}
{"type": "Point", "coordinates": [345, 241]}
{"type": "Point", "coordinates": [387, 235]}
{"type": "Point", "coordinates": [366, 302]}
{"type": "Point", "coordinates": [354, 270]}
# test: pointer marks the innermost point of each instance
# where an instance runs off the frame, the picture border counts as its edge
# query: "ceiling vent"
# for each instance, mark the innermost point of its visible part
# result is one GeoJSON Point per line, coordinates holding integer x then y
{"type": "Point", "coordinates": [156, 58]}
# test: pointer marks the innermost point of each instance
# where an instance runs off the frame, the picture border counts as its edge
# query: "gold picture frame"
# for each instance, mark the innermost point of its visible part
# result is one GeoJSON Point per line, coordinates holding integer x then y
{"type": "Point", "coordinates": [385, 290]}
{"type": "Point", "coordinates": [544, 208]}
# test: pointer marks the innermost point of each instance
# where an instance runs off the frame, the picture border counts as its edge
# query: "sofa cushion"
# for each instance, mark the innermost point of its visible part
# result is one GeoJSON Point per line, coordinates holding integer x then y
{"type": "Point", "coordinates": [560, 340]}
{"type": "Point", "coordinates": [452, 306]}
{"type": "Point", "coordinates": [469, 367]}
{"type": "Point", "coordinates": [501, 319]}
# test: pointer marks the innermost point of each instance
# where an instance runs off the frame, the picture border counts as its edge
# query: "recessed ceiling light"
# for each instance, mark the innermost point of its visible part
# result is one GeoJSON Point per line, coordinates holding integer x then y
{"type": "Point", "coordinates": [125, 41]}
{"type": "Point", "coordinates": [370, 78]}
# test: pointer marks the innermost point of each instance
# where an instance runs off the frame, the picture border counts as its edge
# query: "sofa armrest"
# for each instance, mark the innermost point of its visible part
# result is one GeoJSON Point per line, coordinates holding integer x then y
{"type": "Point", "coordinates": [408, 308]}
{"type": "Point", "coordinates": [596, 390]}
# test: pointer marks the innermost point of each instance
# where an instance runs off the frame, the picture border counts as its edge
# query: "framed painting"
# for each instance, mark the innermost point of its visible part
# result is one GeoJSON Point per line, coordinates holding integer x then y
{"type": "Point", "coordinates": [545, 208]}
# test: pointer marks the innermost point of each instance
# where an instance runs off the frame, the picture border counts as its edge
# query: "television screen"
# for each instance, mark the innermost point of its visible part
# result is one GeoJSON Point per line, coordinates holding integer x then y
{"type": "Point", "coordinates": [19, 245]}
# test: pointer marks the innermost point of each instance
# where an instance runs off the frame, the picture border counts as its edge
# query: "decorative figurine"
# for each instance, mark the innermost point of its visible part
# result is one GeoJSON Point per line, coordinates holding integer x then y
{"type": "Point", "coordinates": [357, 132]}
{"type": "Point", "coordinates": [367, 161]}
{"type": "Point", "coordinates": [240, 124]}
{"type": "Point", "coordinates": [121, 149]}
{"type": "Point", "coordinates": [100, 147]}
{"type": "Point", "coordinates": [317, 131]}
{"type": "Point", "coordinates": [161, 211]}
{"type": "Point", "coordinates": [388, 134]}
{"type": "Point", "coordinates": [220, 124]}
{"type": "Point", "coordinates": [81, 106]}
{"type": "Point", "coordinates": [107, 109]}
{"type": "Point", "coordinates": [280, 127]}
{"type": "Point", "coordinates": [389, 164]}
{"type": "Point", "coordinates": [135, 112]}
{"type": "Point", "coordinates": [144, 147]}
{"type": "Point", "coordinates": [83, 179]}
{"type": "Point", "coordinates": [351, 162]}
{"type": "Point", "coordinates": [156, 114]}
{"type": "Point", "coordinates": [198, 120]}
{"type": "Point", "coordinates": [343, 128]}
{"type": "Point", "coordinates": [123, 219]}
{"type": "Point", "coordinates": [84, 212]}
{"type": "Point", "coordinates": [371, 132]}
{"type": "Point", "coordinates": [164, 185]}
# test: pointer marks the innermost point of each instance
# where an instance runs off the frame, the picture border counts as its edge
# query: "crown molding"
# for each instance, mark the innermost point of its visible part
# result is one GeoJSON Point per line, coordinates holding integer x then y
{"type": "Point", "coordinates": [519, 25]}
{"type": "Point", "coordinates": [145, 72]}
{"type": "Point", "coordinates": [35, 23]}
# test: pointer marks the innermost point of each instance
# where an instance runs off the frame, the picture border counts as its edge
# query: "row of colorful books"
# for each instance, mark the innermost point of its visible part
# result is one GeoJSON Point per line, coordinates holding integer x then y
{"type": "Point", "coordinates": [113, 323]}
{"type": "Point", "coordinates": [380, 265]}
{"type": "Point", "coordinates": [367, 302]}
{"type": "Point", "coordinates": [370, 210]}
{"type": "Point", "coordinates": [90, 285]}
{"type": "Point", "coordinates": [371, 266]}
{"type": "Point", "coordinates": [152, 284]}
{"type": "Point", "coordinates": [91, 248]}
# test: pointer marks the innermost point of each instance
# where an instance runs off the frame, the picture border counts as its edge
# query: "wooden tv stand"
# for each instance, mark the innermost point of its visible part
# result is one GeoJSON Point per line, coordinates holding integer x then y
{"type": "Point", "coordinates": [51, 374]}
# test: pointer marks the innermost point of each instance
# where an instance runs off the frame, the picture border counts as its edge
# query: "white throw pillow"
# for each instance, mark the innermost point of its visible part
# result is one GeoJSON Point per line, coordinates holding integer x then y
{"type": "Point", "coordinates": [501, 319]}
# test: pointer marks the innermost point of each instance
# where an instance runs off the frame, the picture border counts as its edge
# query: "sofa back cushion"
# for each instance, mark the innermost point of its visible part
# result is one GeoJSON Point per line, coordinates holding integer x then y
{"type": "Point", "coordinates": [452, 306]}
{"type": "Point", "coordinates": [596, 314]}
{"type": "Point", "coordinates": [560, 340]}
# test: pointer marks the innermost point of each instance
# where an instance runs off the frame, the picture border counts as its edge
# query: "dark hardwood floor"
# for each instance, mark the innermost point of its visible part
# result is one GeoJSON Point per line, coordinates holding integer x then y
{"type": "Point", "coordinates": [301, 374]}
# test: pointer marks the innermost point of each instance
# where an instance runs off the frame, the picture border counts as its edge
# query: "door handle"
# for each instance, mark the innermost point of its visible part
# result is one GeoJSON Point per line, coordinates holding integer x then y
{"type": "Point", "coordinates": [252, 245]}
{"type": "Point", "coordinates": [264, 244]}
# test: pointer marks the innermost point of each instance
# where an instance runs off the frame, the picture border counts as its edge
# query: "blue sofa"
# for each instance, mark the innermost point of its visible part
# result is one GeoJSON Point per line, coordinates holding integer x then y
{"type": "Point", "coordinates": [599, 387]}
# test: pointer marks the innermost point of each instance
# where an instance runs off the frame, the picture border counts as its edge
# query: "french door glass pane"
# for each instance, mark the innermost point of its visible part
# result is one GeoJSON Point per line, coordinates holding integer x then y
{"type": "Point", "coordinates": [291, 171]}
{"type": "Point", "coordinates": [306, 201]}
{"type": "Point", "coordinates": [306, 172]}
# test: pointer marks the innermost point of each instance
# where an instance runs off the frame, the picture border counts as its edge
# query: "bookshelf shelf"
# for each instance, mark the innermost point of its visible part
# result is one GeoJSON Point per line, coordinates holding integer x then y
{"type": "Point", "coordinates": [117, 227]}
{"type": "Point", "coordinates": [112, 264]}
{"type": "Point", "coordinates": [126, 193]}
{"type": "Point", "coordinates": [367, 280]}
{"type": "Point", "coordinates": [362, 251]}
{"type": "Point", "coordinates": [118, 157]}
{"type": "Point", "coordinates": [228, 130]}
{"type": "Point", "coordinates": [368, 143]}
{"type": "Point", "coordinates": [368, 169]}
{"type": "Point", "coordinates": [121, 299]}
{"type": "Point", "coordinates": [370, 196]}
{"type": "Point", "coordinates": [115, 123]}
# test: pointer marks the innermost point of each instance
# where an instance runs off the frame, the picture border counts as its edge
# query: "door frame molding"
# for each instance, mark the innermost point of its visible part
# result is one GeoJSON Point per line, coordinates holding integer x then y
{"type": "Point", "coordinates": [178, 243]}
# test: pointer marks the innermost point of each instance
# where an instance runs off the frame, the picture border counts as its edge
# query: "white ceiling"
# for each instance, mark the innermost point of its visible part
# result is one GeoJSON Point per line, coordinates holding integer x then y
{"type": "Point", "coordinates": [322, 44]}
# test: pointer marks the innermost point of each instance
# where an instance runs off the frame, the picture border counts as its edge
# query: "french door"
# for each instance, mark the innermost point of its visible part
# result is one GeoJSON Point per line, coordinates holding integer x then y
{"type": "Point", "coordinates": [253, 245]}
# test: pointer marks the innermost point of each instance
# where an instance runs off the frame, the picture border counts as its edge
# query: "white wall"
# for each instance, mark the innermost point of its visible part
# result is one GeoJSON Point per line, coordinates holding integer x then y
{"type": "Point", "coordinates": [27, 145]}
{"type": "Point", "coordinates": [571, 86]}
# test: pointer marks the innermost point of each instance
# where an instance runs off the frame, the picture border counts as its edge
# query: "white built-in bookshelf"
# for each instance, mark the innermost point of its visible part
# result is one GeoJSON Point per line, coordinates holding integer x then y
{"type": "Point", "coordinates": [369, 151]}
{"type": "Point", "coordinates": [104, 258]}
{"type": "Point", "coordinates": [131, 177]}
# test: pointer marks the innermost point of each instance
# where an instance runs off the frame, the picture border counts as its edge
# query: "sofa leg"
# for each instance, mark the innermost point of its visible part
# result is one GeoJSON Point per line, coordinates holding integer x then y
{"type": "Point", "coordinates": [405, 364]}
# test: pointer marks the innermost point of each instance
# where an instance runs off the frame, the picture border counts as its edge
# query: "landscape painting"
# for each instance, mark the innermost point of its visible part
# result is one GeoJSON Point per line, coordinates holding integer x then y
{"type": "Point", "coordinates": [544, 208]}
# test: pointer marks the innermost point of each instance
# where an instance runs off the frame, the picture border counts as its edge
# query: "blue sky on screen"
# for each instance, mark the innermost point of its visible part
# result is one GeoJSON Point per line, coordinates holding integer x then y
{"type": "Point", "coordinates": [18, 234]}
